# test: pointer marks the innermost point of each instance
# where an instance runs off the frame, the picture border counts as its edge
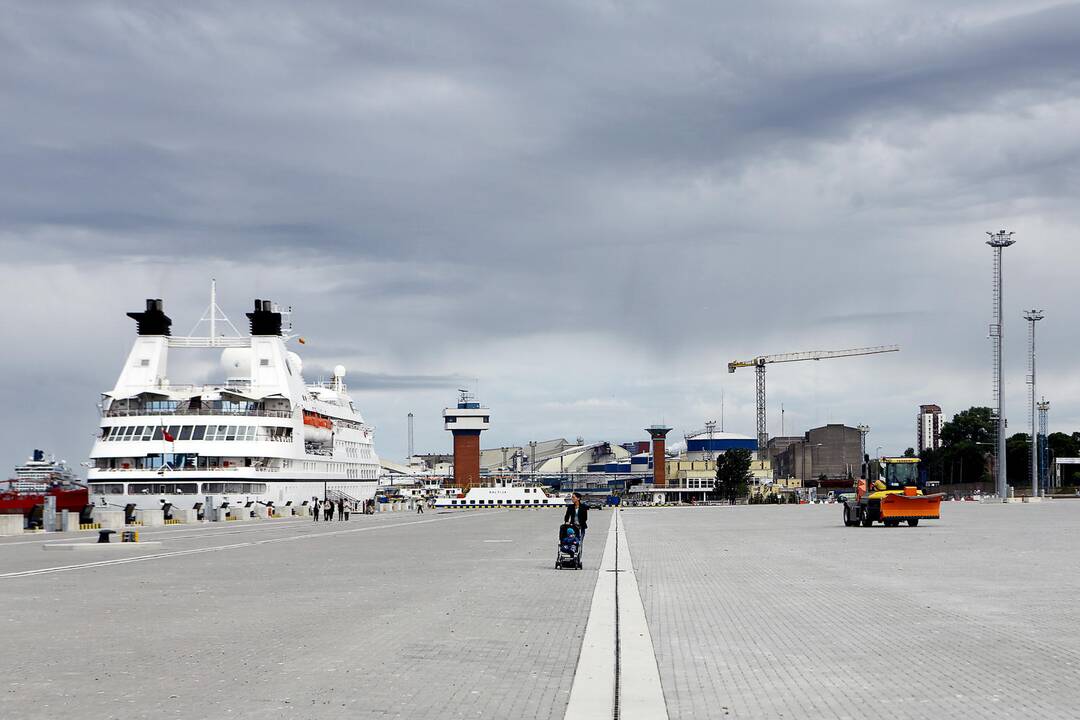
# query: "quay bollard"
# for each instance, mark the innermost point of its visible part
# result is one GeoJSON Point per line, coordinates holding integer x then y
{"type": "Point", "coordinates": [12, 524]}
{"type": "Point", "coordinates": [108, 518]}
{"type": "Point", "coordinates": [150, 518]}
{"type": "Point", "coordinates": [69, 521]}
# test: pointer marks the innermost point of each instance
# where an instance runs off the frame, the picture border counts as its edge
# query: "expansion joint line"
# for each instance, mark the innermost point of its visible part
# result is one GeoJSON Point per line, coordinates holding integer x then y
{"type": "Point", "coordinates": [618, 646]}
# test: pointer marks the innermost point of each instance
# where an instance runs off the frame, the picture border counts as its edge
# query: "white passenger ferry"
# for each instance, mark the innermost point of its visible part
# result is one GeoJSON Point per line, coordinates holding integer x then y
{"type": "Point", "coordinates": [503, 493]}
{"type": "Point", "coordinates": [261, 435]}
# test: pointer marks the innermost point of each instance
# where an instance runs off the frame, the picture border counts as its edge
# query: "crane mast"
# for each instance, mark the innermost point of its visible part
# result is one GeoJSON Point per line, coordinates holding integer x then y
{"type": "Point", "coordinates": [761, 361]}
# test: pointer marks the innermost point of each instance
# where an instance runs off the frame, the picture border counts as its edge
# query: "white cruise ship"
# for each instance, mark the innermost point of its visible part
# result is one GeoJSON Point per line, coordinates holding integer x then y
{"type": "Point", "coordinates": [37, 474]}
{"type": "Point", "coordinates": [261, 435]}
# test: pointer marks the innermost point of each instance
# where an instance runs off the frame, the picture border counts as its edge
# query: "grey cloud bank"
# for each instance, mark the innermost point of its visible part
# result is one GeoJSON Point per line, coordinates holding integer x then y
{"type": "Point", "coordinates": [591, 207]}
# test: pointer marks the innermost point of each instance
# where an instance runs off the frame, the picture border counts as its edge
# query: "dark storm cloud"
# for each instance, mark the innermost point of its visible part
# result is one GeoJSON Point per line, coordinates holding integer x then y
{"type": "Point", "coordinates": [571, 199]}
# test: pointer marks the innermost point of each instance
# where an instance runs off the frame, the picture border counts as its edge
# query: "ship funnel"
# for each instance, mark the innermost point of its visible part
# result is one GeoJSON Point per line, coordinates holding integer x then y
{"type": "Point", "coordinates": [153, 320]}
{"type": "Point", "coordinates": [264, 321]}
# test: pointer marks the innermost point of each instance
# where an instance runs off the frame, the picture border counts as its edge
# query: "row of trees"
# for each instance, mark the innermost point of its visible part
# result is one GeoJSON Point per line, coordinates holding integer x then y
{"type": "Point", "coordinates": [967, 442]}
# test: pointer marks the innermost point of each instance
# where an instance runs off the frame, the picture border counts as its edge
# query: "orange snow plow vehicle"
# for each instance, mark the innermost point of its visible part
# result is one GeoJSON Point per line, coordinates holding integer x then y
{"type": "Point", "coordinates": [894, 498]}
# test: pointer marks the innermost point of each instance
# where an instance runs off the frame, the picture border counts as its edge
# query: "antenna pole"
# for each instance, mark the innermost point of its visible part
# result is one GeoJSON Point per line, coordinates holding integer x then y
{"type": "Point", "coordinates": [213, 310]}
{"type": "Point", "coordinates": [410, 435]}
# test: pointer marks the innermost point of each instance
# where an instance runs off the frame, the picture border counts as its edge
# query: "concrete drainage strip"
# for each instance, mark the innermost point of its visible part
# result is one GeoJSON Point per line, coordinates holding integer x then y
{"type": "Point", "coordinates": [616, 675]}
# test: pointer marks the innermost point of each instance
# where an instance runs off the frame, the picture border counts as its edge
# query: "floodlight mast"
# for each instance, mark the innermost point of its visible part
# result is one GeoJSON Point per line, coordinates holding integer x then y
{"type": "Point", "coordinates": [1033, 316]}
{"type": "Point", "coordinates": [1044, 452]}
{"type": "Point", "coordinates": [998, 241]}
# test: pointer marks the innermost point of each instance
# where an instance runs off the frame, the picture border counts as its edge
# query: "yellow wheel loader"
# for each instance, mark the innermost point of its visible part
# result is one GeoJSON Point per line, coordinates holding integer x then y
{"type": "Point", "coordinates": [894, 498]}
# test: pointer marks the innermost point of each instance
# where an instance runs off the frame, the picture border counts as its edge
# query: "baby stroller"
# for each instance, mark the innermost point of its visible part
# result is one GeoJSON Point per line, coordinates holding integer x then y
{"type": "Point", "coordinates": [570, 542]}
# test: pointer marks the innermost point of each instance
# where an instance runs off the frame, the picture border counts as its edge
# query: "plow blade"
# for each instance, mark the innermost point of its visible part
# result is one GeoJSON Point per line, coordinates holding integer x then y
{"type": "Point", "coordinates": [911, 507]}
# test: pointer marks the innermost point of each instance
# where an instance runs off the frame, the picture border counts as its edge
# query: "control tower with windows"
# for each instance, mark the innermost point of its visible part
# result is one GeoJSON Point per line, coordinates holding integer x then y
{"type": "Point", "coordinates": [466, 422]}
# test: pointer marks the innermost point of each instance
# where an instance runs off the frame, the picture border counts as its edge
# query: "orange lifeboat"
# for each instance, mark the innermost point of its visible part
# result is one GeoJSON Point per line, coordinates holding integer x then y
{"type": "Point", "coordinates": [318, 428]}
{"type": "Point", "coordinates": [318, 421]}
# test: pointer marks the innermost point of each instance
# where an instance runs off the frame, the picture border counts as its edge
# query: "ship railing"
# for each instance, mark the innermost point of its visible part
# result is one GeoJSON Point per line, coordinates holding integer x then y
{"type": "Point", "coordinates": [231, 468]}
{"type": "Point", "coordinates": [140, 412]}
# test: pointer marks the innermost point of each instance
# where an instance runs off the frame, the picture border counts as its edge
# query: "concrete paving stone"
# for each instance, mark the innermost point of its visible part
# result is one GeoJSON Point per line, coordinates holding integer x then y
{"type": "Point", "coordinates": [781, 612]}
{"type": "Point", "coordinates": [389, 616]}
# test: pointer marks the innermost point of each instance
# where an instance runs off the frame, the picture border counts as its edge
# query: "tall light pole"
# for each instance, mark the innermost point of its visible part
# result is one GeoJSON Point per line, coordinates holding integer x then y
{"type": "Point", "coordinates": [998, 241]}
{"type": "Point", "coordinates": [1043, 449]}
{"type": "Point", "coordinates": [1033, 316]}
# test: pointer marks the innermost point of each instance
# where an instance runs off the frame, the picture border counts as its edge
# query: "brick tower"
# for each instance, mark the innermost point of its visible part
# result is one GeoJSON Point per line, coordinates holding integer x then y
{"type": "Point", "coordinates": [466, 422]}
{"type": "Point", "coordinates": [658, 433]}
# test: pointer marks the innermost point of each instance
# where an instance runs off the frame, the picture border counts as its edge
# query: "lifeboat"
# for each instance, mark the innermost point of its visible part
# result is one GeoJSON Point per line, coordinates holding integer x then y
{"type": "Point", "coordinates": [317, 428]}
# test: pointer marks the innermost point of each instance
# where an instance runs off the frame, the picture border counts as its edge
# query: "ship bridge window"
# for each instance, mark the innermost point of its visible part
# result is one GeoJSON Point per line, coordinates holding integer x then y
{"type": "Point", "coordinates": [163, 488]}
{"type": "Point", "coordinates": [198, 432]}
{"type": "Point", "coordinates": [107, 488]}
{"type": "Point", "coordinates": [185, 433]}
{"type": "Point", "coordinates": [163, 406]}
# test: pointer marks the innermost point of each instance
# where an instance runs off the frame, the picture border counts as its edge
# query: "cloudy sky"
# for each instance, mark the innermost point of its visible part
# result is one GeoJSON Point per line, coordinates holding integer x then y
{"type": "Point", "coordinates": [587, 208]}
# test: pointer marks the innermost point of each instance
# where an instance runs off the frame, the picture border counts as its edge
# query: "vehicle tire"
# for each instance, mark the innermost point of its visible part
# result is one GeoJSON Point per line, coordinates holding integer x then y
{"type": "Point", "coordinates": [847, 517]}
{"type": "Point", "coordinates": [913, 522]}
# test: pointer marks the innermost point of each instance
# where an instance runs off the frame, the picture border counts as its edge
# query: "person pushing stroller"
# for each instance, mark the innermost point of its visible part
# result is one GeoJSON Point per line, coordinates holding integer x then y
{"type": "Point", "coordinates": [577, 514]}
{"type": "Point", "coordinates": [572, 534]}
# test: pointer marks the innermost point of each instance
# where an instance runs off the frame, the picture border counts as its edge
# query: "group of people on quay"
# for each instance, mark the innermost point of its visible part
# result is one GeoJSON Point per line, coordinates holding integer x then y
{"type": "Point", "coordinates": [328, 508]}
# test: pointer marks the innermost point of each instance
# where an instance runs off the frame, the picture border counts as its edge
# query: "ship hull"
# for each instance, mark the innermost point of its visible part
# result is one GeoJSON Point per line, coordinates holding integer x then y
{"type": "Point", "coordinates": [147, 495]}
{"type": "Point", "coordinates": [14, 503]}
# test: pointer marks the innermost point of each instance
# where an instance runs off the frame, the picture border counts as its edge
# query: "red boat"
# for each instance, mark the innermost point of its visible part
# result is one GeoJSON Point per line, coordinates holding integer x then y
{"type": "Point", "coordinates": [35, 480]}
{"type": "Point", "coordinates": [13, 501]}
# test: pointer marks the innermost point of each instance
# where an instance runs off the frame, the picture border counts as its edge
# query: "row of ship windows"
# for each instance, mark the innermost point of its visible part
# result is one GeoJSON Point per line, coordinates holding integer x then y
{"type": "Point", "coordinates": [319, 466]}
{"type": "Point", "coordinates": [177, 488]}
{"type": "Point", "coordinates": [196, 432]}
{"type": "Point", "coordinates": [356, 450]}
{"type": "Point", "coordinates": [496, 502]}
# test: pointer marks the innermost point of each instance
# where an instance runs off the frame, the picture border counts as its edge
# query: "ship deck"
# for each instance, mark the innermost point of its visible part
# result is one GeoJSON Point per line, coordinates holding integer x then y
{"type": "Point", "coordinates": [753, 612]}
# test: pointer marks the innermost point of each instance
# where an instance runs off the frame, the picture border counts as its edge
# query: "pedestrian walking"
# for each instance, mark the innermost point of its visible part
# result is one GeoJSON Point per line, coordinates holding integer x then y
{"type": "Point", "coordinates": [314, 506]}
{"type": "Point", "coordinates": [329, 509]}
{"type": "Point", "coordinates": [420, 506]}
{"type": "Point", "coordinates": [341, 510]}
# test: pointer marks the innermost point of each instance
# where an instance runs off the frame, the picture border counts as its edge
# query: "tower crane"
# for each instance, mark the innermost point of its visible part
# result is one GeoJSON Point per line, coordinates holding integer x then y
{"type": "Point", "coordinates": [760, 362]}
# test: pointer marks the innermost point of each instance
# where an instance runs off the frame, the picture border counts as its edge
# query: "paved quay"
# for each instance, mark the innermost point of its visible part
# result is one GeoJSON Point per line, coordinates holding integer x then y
{"type": "Point", "coordinates": [781, 612]}
{"type": "Point", "coordinates": [749, 612]}
{"type": "Point", "coordinates": [386, 616]}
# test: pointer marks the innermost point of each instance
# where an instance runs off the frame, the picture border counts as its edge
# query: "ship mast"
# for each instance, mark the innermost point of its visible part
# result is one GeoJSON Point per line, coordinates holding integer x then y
{"type": "Point", "coordinates": [211, 316]}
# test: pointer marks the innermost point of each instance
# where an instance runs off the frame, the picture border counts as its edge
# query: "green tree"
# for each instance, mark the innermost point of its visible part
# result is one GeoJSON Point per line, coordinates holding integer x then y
{"type": "Point", "coordinates": [974, 425]}
{"type": "Point", "coordinates": [934, 462]}
{"type": "Point", "coordinates": [1063, 445]}
{"type": "Point", "coordinates": [733, 474]}
{"type": "Point", "coordinates": [1018, 459]}
{"type": "Point", "coordinates": [910, 452]}
{"type": "Point", "coordinates": [965, 442]}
